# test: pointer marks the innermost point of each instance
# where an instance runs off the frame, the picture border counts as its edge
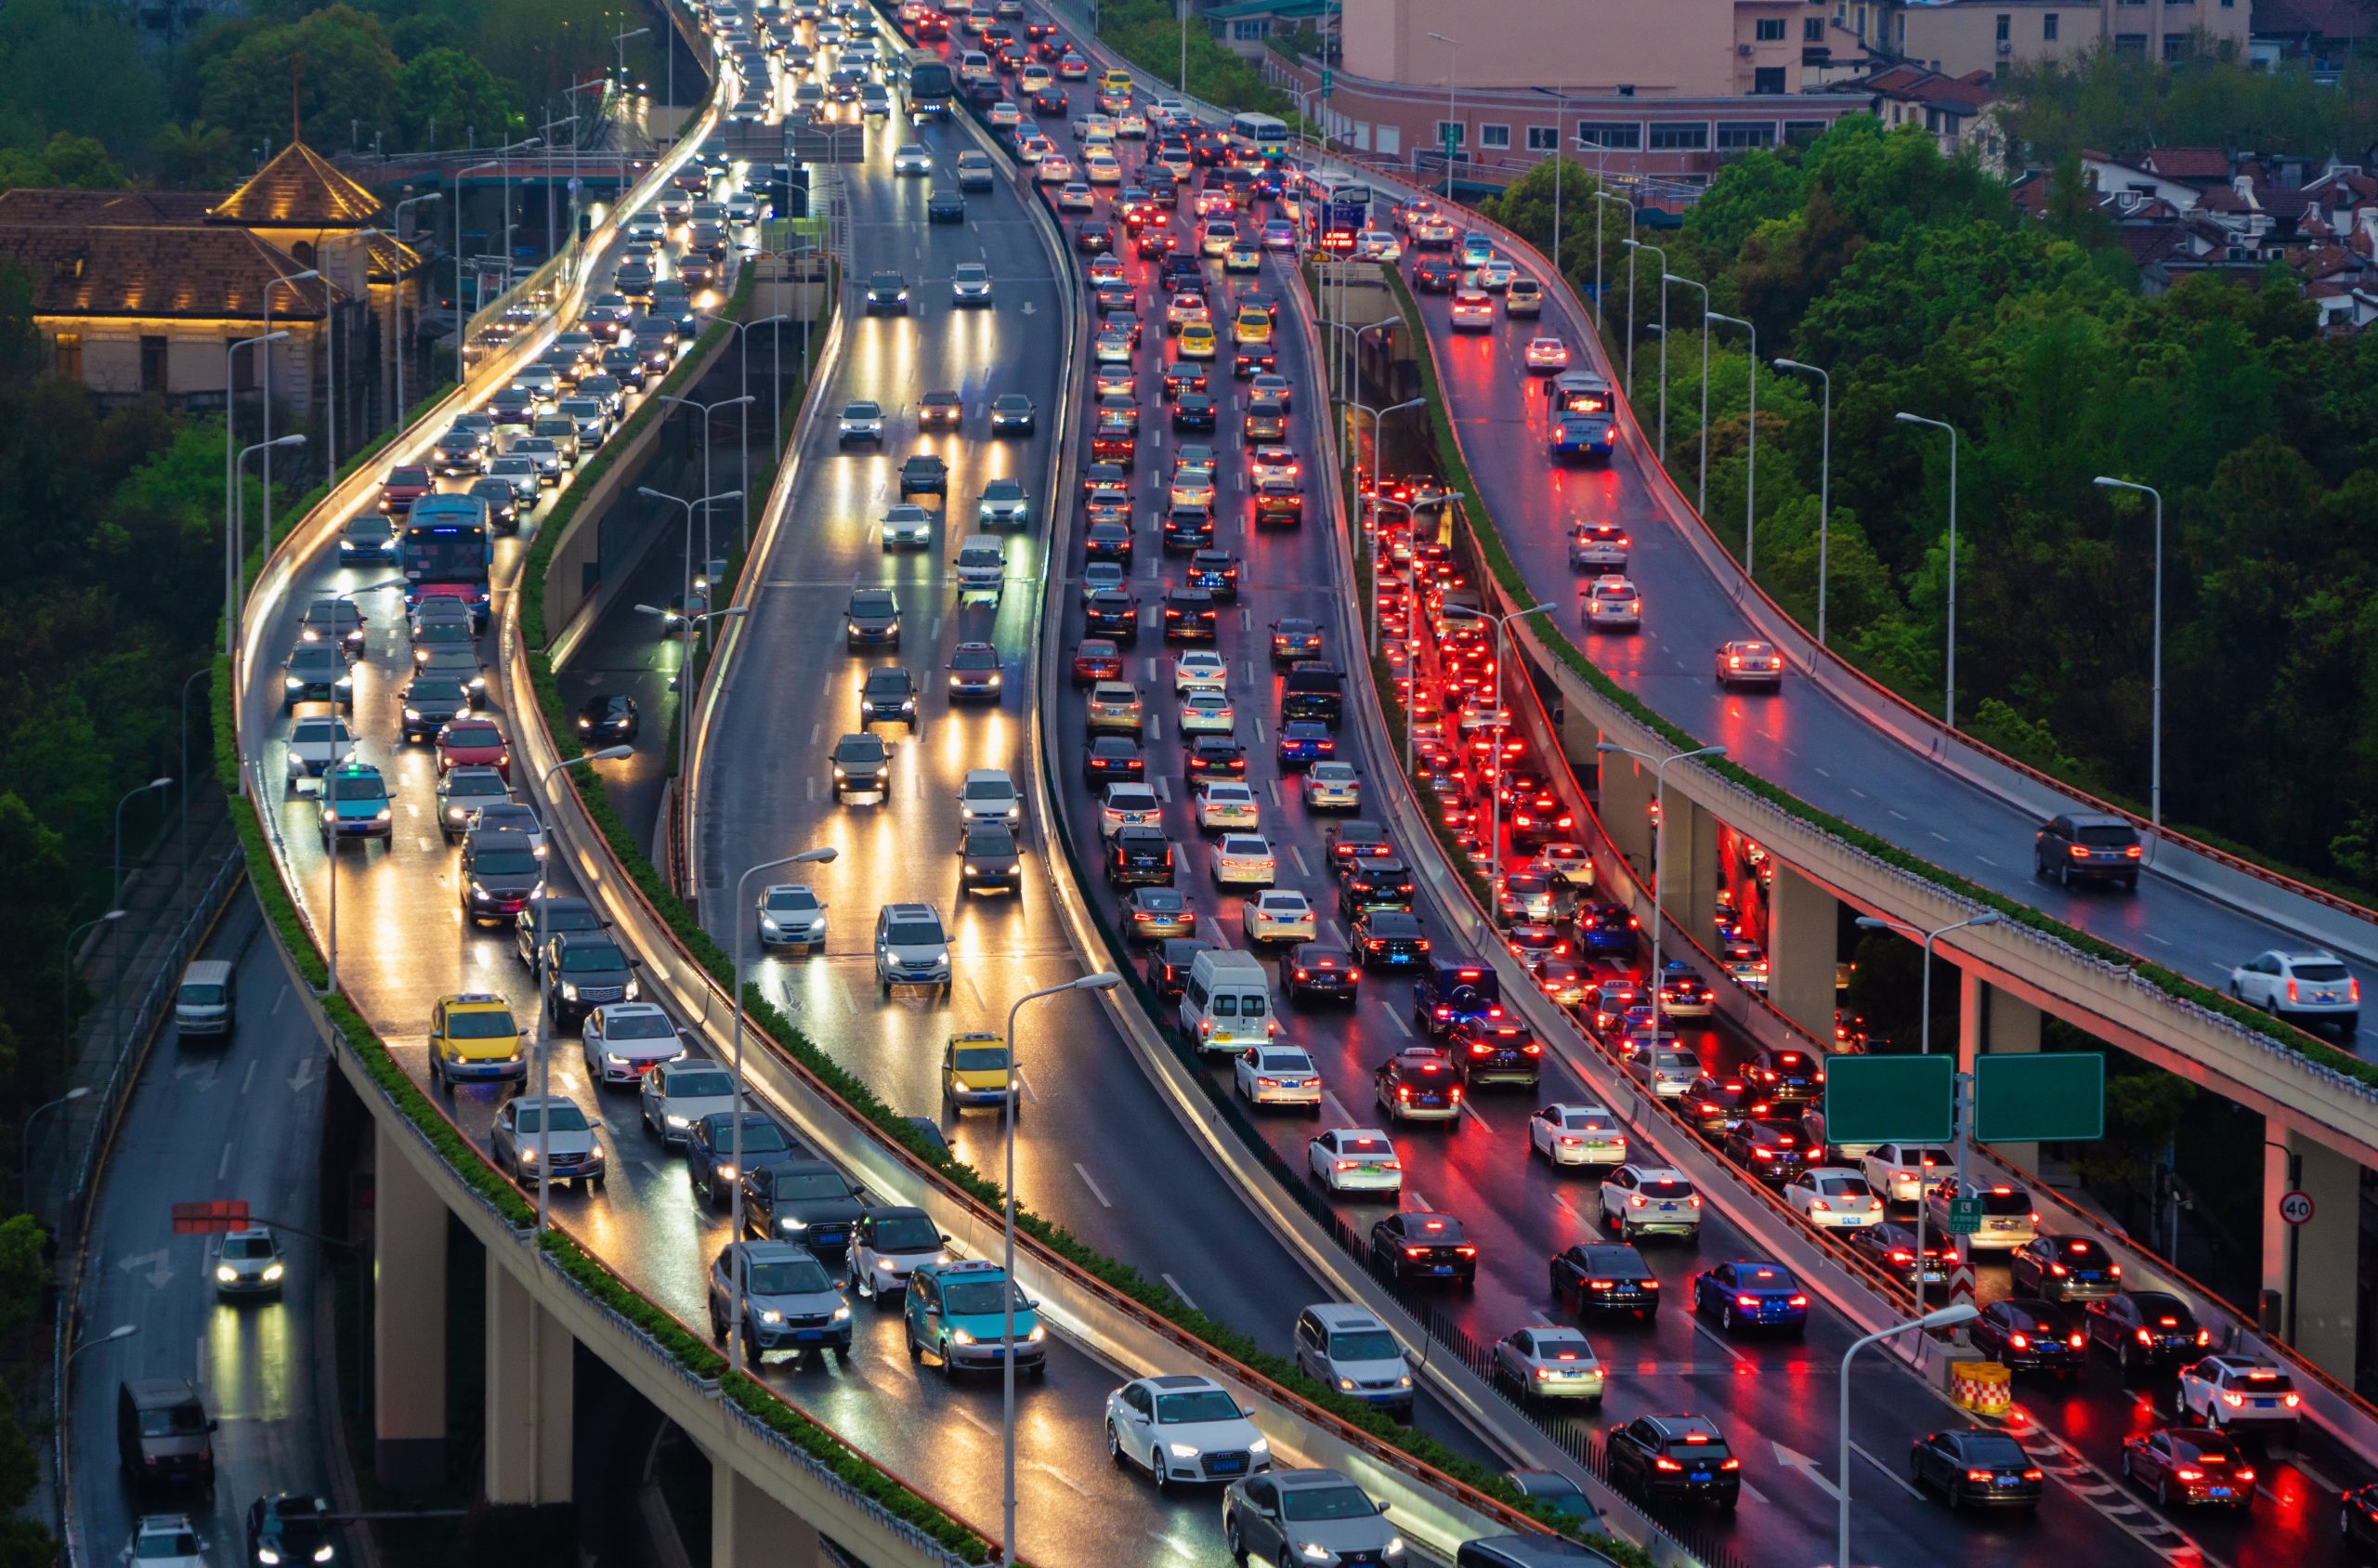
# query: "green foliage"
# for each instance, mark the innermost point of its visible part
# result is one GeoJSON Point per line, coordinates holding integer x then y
{"type": "Point", "coordinates": [451, 88]}
{"type": "Point", "coordinates": [74, 69]}
{"type": "Point", "coordinates": [1148, 32]}
{"type": "Point", "coordinates": [193, 155]}
{"type": "Point", "coordinates": [342, 64]}
{"type": "Point", "coordinates": [24, 1279]}
{"type": "Point", "coordinates": [2125, 104]}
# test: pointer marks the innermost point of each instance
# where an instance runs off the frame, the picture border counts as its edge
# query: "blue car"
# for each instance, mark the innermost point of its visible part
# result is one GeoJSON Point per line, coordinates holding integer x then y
{"type": "Point", "coordinates": [1304, 742]}
{"type": "Point", "coordinates": [1606, 929]}
{"type": "Point", "coordinates": [1752, 1293]}
{"type": "Point", "coordinates": [956, 1312]}
{"type": "Point", "coordinates": [1477, 250]}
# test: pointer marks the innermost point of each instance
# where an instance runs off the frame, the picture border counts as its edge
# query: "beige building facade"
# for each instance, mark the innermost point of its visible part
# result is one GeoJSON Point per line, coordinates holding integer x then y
{"type": "Point", "coordinates": [1635, 48]}
{"type": "Point", "coordinates": [1958, 36]}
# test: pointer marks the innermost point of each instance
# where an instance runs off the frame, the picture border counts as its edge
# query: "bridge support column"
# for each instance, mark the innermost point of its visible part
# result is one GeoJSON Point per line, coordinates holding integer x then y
{"type": "Point", "coordinates": [1990, 1022]}
{"type": "Point", "coordinates": [749, 1529]}
{"type": "Point", "coordinates": [408, 1323]}
{"type": "Point", "coordinates": [530, 1395]}
{"type": "Point", "coordinates": [1626, 808]}
{"type": "Point", "coordinates": [1803, 928]}
{"type": "Point", "coordinates": [1691, 876]}
{"type": "Point", "coordinates": [2318, 1263]}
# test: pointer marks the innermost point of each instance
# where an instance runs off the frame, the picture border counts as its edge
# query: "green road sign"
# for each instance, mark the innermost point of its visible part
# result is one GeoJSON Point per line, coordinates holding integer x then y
{"type": "Point", "coordinates": [1964, 1216]}
{"type": "Point", "coordinates": [1328, 80]}
{"type": "Point", "coordinates": [1452, 136]}
{"type": "Point", "coordinates": [1889, 1099]}
{"type": "Point", "coordinates": [2044, 1097]}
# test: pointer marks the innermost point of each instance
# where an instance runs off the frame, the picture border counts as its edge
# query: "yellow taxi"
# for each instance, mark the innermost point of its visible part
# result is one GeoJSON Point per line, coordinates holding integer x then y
{"type": "Point", "coordinates": [1198, 340]}
{"type": "Point", "coordinates": [1253, 325]}
{"type": "Point", "coordinates": [1116, 82]}
{"type": "Point", "coordinates": [474, 1038]}
{"type": "Point", "coordinates": [974, 1071]}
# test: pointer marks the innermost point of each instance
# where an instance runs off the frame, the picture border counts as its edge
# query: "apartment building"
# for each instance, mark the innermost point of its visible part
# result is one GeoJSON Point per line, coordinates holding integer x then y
{"type": "Point", "coordinates": [1958, 38]}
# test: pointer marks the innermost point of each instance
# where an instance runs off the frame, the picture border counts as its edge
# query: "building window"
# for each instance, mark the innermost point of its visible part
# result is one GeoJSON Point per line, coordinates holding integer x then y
{"type": "Point", "coordinates": [152, 364]}
{"type": "Point", "coordinates": [1770, 30]}
{"type": "Point", "coordinates": [2047, 27]}
{"type": "Point", "coordinates": [2130, 42]}
{"type": "Point", "coordinates": [2005, 68]}
{"type": "Point", "coordinates": [68, 355]}
{"type": "Point", "coordinates": [1799, 133]}
{"type": "Point", "coordinates": [1679, 137]}
{"type": "Point", "coordinates": [1932, 120]}
{"type": "Point", "coordinates": [1614, 136]}
{"type": "Point", "coordinates": [1495, 138]}
{"type": "Point", "coordinates": [1767, 79]}
{"type": "Point", "coordinates": [1543, 138]}
{"type": "Point", "coordinates": [1451, 133]}
{"type": "Point", "coordinates": [2005, 28]}
{"type": "Point", "coordinates": [1813, 30]}
{"type": "Point", "coordinates": [1250, 32]}
{"type": "Point", "coordinates": [2176, 45]}
{"type": "Point", "coordinates": [1745, 133]}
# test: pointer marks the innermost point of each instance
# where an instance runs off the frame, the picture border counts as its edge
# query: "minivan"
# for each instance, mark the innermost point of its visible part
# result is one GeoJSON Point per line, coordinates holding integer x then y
{"type": "Point", "coordinates": [1227, 1005]}
{"type": "Point", "coordinates": [161, 1431]}
{"type": "Point", "coordinates": [982, 569]}
{"type": "Point", "coordinates": [1349, 1350]}
{"type": "Point", "coordinates": [207, 1001]}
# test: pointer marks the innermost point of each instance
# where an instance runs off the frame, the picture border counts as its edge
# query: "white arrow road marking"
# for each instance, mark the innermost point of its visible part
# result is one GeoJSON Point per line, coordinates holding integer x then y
{"type": "Point", "coordinates": [1791, 1460]}
{"type": "Point", "coordinates": [158, 1272]}
{"type": "Point", "coordinates": [303, 1079]}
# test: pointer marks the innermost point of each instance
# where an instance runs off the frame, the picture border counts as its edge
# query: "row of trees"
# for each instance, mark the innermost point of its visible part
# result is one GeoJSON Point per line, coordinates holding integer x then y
{"type": "Point", "coordinates": [1911, 278]}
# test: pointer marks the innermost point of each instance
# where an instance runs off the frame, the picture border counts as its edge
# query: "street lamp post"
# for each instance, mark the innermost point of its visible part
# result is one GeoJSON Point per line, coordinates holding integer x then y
{"type": "Point", "coordinates": [1632, 246]}
{"type": "Point", "coordinates": [1495, 793]}
{"type": "Point", "coordinates": [1701, 498]}
{"type": "Point", "coordinates": [116, 894]}
{"type": "Point", "coordinates": [620, 46]}
{"type": "Point", "coordinates": [1103, 981]}
{"type": "Point", "coordinates": [652, 494]}
{"type": "Point", "coordinates": [1599, 196]}
{"type": "Point", "coordinates": [1750, 452]}
{"type": "Point", "coordinates": [397, 309]}
{"type": "Point", "coordinates": [708, 409]}
{"type": "Point", "coordinates": [1947, 1317]}
{"type": "Point", "coordinates": [1559, 154]}
{"type": "Point", "coordinates": [232, 458]}
{"type": "Point", "coordinates": [235, 537]}
{"type": "Point", "coordinates": [66, 1363]}
{"type": "Point", "coordinates": [545, 1048]}
{"type": "Point", "coordinates": [686, 624]}
{"type": "Point", "coordinates": [503, 162]}
{"type": "Point", "coordinates": [1924, 1048]}
{"type": "Point", "coordinates": [25, 1141]}
{"type": "Point", "coordinates": [1453, 111]}
{"type": "Point", "coordinates": [1378, 416]}
{"type": "Point", "coordinates": [66, 981]}
{"type": "Point", "coordinates": [292, 279]}
{"type": "Point", "coordinates": [743, 364]}
{"type": "Point", "coordinates": [1660, 842]}
{"type": "Point", "coordinates": [1948, 704]}
{"type": "Point", "coordinates": [823, 854]}
{"type": "Point", "coordinates": [2155, 759]}
{"type": "Point", "coordinates": [1824, 481]}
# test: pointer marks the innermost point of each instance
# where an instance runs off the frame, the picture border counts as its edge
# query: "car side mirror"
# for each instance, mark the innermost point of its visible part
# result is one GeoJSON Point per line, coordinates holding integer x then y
{"type": "Point", "coordinates": [1248, 1411]}
{"type": "Point", "coordinates": [593, 1122]}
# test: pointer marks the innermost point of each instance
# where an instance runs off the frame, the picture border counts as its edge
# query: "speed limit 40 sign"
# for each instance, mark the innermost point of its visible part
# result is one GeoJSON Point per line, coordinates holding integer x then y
{"type": "Point", "coordinates": [2295, 1208]}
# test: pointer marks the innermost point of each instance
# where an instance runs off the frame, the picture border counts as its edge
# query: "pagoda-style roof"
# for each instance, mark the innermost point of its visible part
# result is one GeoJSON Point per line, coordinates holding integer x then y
{"type": "Point", "coordinates": [298, 189]}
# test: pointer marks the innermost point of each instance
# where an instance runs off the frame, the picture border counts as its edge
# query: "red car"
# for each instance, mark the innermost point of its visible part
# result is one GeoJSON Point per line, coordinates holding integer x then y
{"type": "Point", "coordinates": [1096, 658]}
{"type": "Point", "coordinates": [2188, 1465]}
{"type": "Point", "coordinates": [403, 487]}
{"type": "Point", "coordinates": [474, 743]}
{"type": "Point", "coordinates": [1071, 67]}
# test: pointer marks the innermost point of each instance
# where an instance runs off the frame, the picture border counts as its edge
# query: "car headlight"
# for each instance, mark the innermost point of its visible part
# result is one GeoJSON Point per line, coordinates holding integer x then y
{"type": "Point", "coordinates": [1394, 1547]}
{"type": "Point", "coordinates": [632, 989]}
{"type": "Point", "coordinates": [675, 1120]}
{"type": "Point", "coordinates": [959, 1337]}
{"type": "Point", "coordinates": [226, 1274]}
{"type": "Point", "coordinates": [529, 1154]}
{"type": "Point", "coordinates": [412, 713]}
{"type": "Point", "coordinates": [294, 683]}
{"type": "Point", "coordinates": [841, 1312]}
{"type": "Point", "coordinates": [1036, 1335]}
{"type": "Point", "coordinates": [479, 893]}
{"type": "Point", "coordinates": [324, 1552]}
{"type": "Point", "coordinates": [768, 925]}
{"type": "Point", "coordinates": [1315, 1553]}
{"type": "Point", "coordinates": [1404, 1381]}
{"type": "Point", "coordinates": [1183, 1450]}
{"type": "Point", "coordinates": [792, 1222]}
{"type": "Point", "coordinates": [769, 1314]}
{"type": "Point", "coordinates": [268, 1554]}
{"type": "Point", "coordinates": [272, 1272]}
{"type": "Point", "coordinates": [726, 1171]}
{"type": "Point", "coordinates": [1261, 1446]}
{"type": "Point", "coordinates": [569, 990]}
{"type": "Point", "coordinates": [384, 815]}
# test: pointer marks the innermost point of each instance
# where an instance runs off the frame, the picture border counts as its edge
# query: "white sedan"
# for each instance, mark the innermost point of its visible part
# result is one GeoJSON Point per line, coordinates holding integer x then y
{"type": "Point", "coordinates": [1224, 804]}
{"type": "Point", "coordinates": [1547, 354]}
{"type": "Point", "coordinates": [1614, 602]}
{"type": "Point", "coordinates": [1277, 1074]}
{"type": "Point", "coordinates": [1333, 787]}
{"type": "Point", "coordinates": [1179, 1428]}
{"type": "Point", "coordinates": [1055, 168]}
{"type": "Point", "coordinates": [791, 916]}
{"type": "Point", "coordinates": [1355, 1159]}
{"type": "Point", "coordinates": [1566, 862]}
{"type": "Point", "coordinates": [626, 1040]}
{"type": "Point", "coordinates": [912, 159]}
{"type": "Point", "coordinates": [1206, 712]}
{"type": "Point", "coordinates": [1074, 196]}
{"type": "Point", "coordinates": [1201, 670]}
{"type": "Point", "coordinates": [1246, 860]}
{"type": "Point", "coordinates": [1576, 1134]}
{"type": "Point", "coordinates": [677, 1094]}
{"type": "Point", "coordinates": [1281, 915]}
{"type": "Point", "coordinates": [1833, 1197]}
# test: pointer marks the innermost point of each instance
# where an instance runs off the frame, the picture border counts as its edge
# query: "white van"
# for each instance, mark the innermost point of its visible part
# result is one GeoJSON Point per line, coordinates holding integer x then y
{"type": "Point", "coordinates": [1226, 1006]}
{"type": "Point", "coordinates": [982, 568]}
{"type": "Point", "coordinates": [207, 1000]}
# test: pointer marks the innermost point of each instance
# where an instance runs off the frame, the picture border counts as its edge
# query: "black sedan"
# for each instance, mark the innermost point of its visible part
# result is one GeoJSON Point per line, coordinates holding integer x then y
{"type": "Point", "coordinates": [2028, 1335]}
{"type": "Point", "coordinates": [1113, 758]}
{"type": "Point", "coordinates": [2153, 1326]}
{"type": "Point", "coordinates": [1597, 1278]}
{"type": "Point", "coordinates": [2065, 1268]}
{"type": "Point", "coordinates": [1970, 1465]}
{"type": "Point", "coordinates": [944, 207]}
{"type": "Point", "coordinates": [610, 718]}
{"type": "Point", "coordinates": [1323, 971]}
{"type": "Point", "coordinates": [1193, 411]}
{"type": "Point", "coordinates": [1424, 1246]}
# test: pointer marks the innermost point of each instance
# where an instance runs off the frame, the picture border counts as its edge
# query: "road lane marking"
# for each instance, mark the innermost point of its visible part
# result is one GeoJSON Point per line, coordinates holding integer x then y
{"type": "Point", "coordinates": [1395, 1017]}
{"type": "Point", "coordinates": [250, 1076]}
{"type": "Point", "coordinates": [223, 1166]}
{"type": "Point", "coordinates": [1702, 1330]}
{"type": "Point", "coordinates": [1092, 1185]}
{"type": "Point", "coordinates": [1889, 1473]}
{"type": "Point", "coordinates": [1174, 1286]}
{"type": "Point", "coordinates": [1471, 1112]}
{"type": "Point", "coordinates": [1329, 1103]}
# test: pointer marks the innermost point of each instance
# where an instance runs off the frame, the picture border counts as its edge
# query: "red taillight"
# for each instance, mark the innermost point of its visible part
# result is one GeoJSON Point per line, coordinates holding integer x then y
{"type": "Point", "coordinates": [2059, 1270]}
{"type": "Point", "coordinates": [2145, 1338]}
{"type": "Point", "coordinates": [2134, 853]}
{"type": "Point", "coordinates": [2078, 851]}
{"type": "Point", "coordinates": [2074, 1341]}
{"type": "Point", "coordinates": [1472, 1252]}
{"type": "Point", "coordinates": [1979, 1477]}
{"type": "Point", "coordinates": [1748, 1302]}
{"type": "Point", "coordinates": [1662, 1462]}
{"type": "Point", "coordinates": [1730, 1465]}
{"type": "Point", "coordinates": [2018, 1341]}
{"type": "Point", "coordinates": [2241, 1476]}
{"type": "Point", "coordinates": [2204, 1336]}
{"type": "Point", "coordinates": [2188, 1473]}
{"type": "Point", "coordinates": [1797, 1302]}
{"type": "Point", "coordinates": [1416, 1252]}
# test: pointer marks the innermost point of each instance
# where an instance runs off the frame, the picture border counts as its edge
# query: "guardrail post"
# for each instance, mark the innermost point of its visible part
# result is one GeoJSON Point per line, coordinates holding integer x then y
{"type": "Point", "coordinates": [749, 1529]}
{"type": "Point", "coordinates": [408, 1320]}
{"type": "Point", "coordinates": [1803, 946]}
{"type": "Point", "coordinates": [530, 1395]}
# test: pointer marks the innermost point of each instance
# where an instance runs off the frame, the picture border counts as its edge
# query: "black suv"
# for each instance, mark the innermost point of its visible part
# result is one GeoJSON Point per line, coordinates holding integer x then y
{"type": "Point", "coordinates": [887, 293]}
{"type": "Point", "coordinates": [925, 474]}
{"type": "Point", "coordinates": [889, 696]}
{"type": "Point", "coordinates": [500, 873]}
{"type": "Point", "coordinates": [2083, 847]}
{"type": "Point", "coordinates": [1606, 1277]}
{"type": "Point", "coordinates": [1496, 1051]}
{"type": "Point", "coordinates": [1140, 858]}
{"type": "Point", "coordinates": [804, 1201]}
{"type": "Point", "coordinates": [1657, 1457]}
{"type": "Point", "coordinates": [584, 969]}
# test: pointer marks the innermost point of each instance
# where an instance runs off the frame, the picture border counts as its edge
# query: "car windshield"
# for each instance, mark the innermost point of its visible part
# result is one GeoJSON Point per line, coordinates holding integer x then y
{"type": "Point", "coordinates": [639, 1025]}
{"type": "Point", "coordinates": [859, 749]}
{"type": "Point", "coordinates": [576, 960]}
{"type": "Point", "coordinates": [913, 933]}
{"type": "Point", "coordinates": [2322, 973]}
{"type": "Point", "coordinates": [790, 1276]}
{"type": "Point", "coordinates": [974, 1298]}
{"type": "Point", "coordinates": [990, 841]}
{"type": "Point", "coordinates": [980, 1058]}
{"type": "Point", "coordinates": [2006, 1201]}
{"type": "Point", "coordinates": [153, 1545]}
{"type": "Point", "coordinates": [863, 410]}
{"type": "Point", "coordinates": [812, 1183]}
{"type": "Point", "coordinates": [1312, 1503]}
{"type": "Point", "coordinates": [701, 1086]}
{"type": "Point", "coordinates": [871, 603]}
{"type": "Point", "coordinates": [1363, 1344]}
{"type": "Point", "coordinates": [506, 863]}
{"type": "Point", "coordinates": [1004, 489]}
{"type": "Point", "coordinates": [761, 1136]}
{"type": "Point", "coordinates": [179, 1420]}
{"type": "Point", "coordinates": [493, 1024]}
{"type": "Point", "coordinates": [1203, 1405]}
{"type": "Point", "coordinates": [247, 1246]}
{"type": "Point", "coordinates": [791, 900]}
{"type": "Point", "coordinates": [906, 1233]}
{"type": "Point", "coordinates": [566, 1118]}
{"type": "Point", "coordinates": [2113, 836]}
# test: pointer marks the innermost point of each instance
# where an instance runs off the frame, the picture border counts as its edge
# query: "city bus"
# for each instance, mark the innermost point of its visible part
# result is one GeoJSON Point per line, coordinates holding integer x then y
{"type": "Point", "coordinates": [1266, 135]}
{"type": "Point", "coordinates": [931, 87]}
{"type": "Point", "coordinates": [445, 552]}
{"type": "Point", "coordinates": [1584, 420]}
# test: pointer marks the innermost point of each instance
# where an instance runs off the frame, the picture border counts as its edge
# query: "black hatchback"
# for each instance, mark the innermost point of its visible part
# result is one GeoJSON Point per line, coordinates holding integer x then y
{"type": "Point", "coordinates": [1138, 858]}
{"type": "Point", "coordinates": [1595, 1277]}
{"type": "Point", "coordinates": [2065, 1268]}
{"type": "Point", "coordinates": [1168, 967]}
{"type": "Point", "coordinates": [2026, 1334]}
{"type": "Point", "coordinates": [2149, 1325]}
{"type": "Point", "coordinates": [1321, 970]}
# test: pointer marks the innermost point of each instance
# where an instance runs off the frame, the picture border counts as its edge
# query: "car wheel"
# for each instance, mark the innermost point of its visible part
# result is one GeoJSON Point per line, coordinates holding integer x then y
{"type": "Point", "coordinates": [2127, 1475]}
{"type": "Point", "coordinates": [949, 1363]}
{"type": "Point", "coordinates": [1726, 1319]}
{"type": "Point", "coordinates": [717, 1326]}
{"type": "Point", "coordinates": [2163, 1492]}
{"type": "Point", "coordinates": [1235, 1542]}
{"type": "Point", "coordinates": [2123, 1356]}
{"type": "Point", "coordinates": [865, 1284]}
{"type": "Point", "coordinates": [916, 1350]}
{"type": "Point", "coordinates": [1114, 1447]}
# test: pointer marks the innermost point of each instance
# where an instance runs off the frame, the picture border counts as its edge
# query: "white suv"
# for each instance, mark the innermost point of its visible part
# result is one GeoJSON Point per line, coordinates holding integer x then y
{"type": "Point", "coordinates": [912, 947]}
{"type": "Point", "coordinates": [2229, 1391]}
{"type": "Point", "coordinates": [988, 795]}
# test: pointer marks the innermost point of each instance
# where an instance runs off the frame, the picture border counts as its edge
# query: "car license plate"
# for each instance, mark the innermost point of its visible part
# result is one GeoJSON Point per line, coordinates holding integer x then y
{"type": "Point", "coordinates": [1700, 1475]}
{"type": "Point", "coordinates": [1441, 1268]}
{"type": "Point", "coordinates": [2008, 1479]}
{"type": "Point", "coordinates": [806, 1336]}
{"type": "Point", "coordinates": [2220, 1491]}
{"type": "Point", "coordinates": [2265, 1405]}
{"type": "Point", "coordinates": [1225, 1467]}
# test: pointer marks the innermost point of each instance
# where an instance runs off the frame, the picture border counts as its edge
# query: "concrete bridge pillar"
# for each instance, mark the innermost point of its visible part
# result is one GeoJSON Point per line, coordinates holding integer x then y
{"type": "Point", "coordinates": [1625, 806]}
{"type": "Point", "coordinates": [530, 1394]}
{"type": "Point", "coordinates": [749, 1529]}
{"type": "Point", "coordinates": [2315, 1267]}
{"type": "Point", "coordinates": [1803, 928]}
{"type": "Point", "coordinates": [1691, 877]}
{"type": "Point", "coordinates": [1990, 1022]}
{"type": "Point", "coordinates": [407, 1322]}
